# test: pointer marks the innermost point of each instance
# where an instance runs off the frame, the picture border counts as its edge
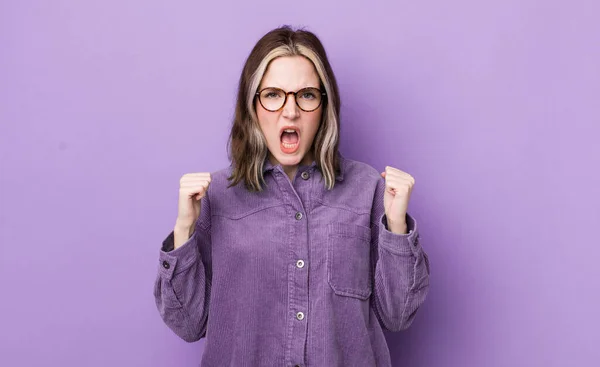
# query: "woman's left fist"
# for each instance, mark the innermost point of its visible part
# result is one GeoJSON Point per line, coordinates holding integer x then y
{"type": "Point", "coordinates": [398, 187]}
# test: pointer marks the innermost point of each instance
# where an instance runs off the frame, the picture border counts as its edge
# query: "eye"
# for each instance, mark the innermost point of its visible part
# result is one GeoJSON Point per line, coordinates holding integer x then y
{"type": "Point", "coordinates": [272, 94]}
{"type": "Point", "coordinates": [308, 95]}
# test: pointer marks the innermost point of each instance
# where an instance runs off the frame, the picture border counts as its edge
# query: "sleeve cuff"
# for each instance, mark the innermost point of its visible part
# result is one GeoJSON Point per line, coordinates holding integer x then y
{"type": "Point", "coordinates": [408, 243]}
{"type": "Point", "coordinates": [169, 242]}
{"type": "Point", "coordinates": [173, 261]}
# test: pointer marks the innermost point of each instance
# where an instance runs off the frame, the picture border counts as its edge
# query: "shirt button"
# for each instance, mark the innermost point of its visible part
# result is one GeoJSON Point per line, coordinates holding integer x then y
{"type": "Point", "coordinates": [300, 263]}
{"type": "Point", "coordinates": [298, 216]}
{"type": "Point", "coordinates": [300, 316]}
{"type": "Point", "coordinates": [305, 175]}
{"type": "Point", "coordinates": [166, 265]}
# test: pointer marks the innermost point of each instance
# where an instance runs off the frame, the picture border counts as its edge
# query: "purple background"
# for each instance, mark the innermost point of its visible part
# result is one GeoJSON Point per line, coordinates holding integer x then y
{"type": "Point", "coordinates": [493, 107]}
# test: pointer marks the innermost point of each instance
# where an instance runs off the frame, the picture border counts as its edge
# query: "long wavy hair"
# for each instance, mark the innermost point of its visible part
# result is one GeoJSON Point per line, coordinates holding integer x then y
{"type": "Point", "coordinates": [247, 146]}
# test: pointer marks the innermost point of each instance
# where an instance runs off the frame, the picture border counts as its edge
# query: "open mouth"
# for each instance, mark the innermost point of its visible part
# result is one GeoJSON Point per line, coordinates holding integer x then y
{"type": "Point", "coordinates": [290, 140]}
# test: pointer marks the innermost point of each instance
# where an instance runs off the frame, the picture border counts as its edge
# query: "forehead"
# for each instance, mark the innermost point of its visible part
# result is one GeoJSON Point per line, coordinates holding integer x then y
{"type": "Point", "coordinates": [290, 73]}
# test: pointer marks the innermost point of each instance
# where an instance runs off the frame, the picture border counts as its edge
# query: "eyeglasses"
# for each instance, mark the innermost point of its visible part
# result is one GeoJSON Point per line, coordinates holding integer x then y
{"type": "Point", "coordinates": [273, 99]}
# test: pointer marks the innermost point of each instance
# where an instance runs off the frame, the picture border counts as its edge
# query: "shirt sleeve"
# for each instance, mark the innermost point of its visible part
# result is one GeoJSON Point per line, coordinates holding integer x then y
{"type": "Point", "coordinates": [401, 269]}
{"type": "Point", "coordinates": [183, 282]}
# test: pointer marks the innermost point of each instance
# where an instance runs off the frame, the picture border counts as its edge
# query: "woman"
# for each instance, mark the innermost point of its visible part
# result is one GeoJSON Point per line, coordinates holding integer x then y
{"type": "Point", "coordinates": [293, 255]}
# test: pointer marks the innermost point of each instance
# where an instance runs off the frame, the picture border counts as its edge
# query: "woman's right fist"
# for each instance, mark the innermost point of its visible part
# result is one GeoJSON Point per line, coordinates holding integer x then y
{"type": "Point", "coordinates": [192, 188]}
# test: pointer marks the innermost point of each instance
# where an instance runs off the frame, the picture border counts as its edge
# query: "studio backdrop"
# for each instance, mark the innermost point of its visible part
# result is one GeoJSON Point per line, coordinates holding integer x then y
{"type": "Point", "coordinates": [492, 106]}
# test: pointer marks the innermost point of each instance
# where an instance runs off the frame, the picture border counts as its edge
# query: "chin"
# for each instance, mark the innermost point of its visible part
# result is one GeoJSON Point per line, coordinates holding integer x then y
{"type": "Point", "coordinates": [289, 159]}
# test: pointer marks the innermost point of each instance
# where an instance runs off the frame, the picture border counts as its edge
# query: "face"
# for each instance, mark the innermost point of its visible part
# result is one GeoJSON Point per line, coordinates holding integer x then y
{"type": "Point", "coordinates": [290, 73]}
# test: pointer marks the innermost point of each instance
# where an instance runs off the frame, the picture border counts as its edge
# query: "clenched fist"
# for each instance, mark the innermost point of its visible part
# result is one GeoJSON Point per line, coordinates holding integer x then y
{"type": "Point", "coordinates": [192, 188]}
{"type": "Point", "coordinates": [398, 187]}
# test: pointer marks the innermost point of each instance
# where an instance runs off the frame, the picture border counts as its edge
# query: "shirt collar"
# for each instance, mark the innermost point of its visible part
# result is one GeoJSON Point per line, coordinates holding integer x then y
{"type": "Point", "coordinates": [268, 166]}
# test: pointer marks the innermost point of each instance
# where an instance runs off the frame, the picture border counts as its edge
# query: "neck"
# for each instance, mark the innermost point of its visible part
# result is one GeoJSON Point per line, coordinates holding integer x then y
{"type": "Point", "coordinates": [291, 170]}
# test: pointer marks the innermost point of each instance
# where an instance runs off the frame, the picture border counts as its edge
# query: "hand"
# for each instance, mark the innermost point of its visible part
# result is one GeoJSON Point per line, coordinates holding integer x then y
{"type": "Point", "coordinates": [192, 188]}
{"type": "Point", "coordinates": [398, 187]}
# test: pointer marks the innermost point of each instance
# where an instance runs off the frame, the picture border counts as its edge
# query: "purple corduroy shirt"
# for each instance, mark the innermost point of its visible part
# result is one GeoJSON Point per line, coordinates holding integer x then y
{"type": "Point", "coordinates": [295, 275]}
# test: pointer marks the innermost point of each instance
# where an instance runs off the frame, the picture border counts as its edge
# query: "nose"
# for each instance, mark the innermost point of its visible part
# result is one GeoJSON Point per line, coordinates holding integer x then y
{"type": "Point", "coordinates": [290, 109]}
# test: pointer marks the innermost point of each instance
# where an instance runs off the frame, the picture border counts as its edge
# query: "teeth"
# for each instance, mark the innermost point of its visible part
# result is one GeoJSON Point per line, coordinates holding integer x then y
{"type": "Point", "coordinates": [289, 130]}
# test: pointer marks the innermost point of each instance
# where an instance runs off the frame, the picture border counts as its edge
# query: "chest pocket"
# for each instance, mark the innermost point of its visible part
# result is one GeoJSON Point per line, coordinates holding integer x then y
{"type": "Point", "coordinates": [348, 260]}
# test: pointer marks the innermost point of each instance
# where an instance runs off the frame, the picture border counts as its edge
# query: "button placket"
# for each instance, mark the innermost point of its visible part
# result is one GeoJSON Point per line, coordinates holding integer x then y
{"type": "Point", "coordinates": [298, 283]}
